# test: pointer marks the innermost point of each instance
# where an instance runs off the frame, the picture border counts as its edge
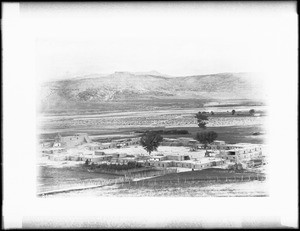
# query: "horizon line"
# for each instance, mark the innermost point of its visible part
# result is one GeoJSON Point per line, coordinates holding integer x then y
{"type": "Point", "coordinates": [61, 78]}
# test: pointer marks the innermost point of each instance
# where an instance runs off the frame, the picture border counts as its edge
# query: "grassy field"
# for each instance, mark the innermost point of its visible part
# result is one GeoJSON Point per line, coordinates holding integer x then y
{"type": "Point", "coordinates": [118, 122]}
{"type": "Point", "coordinates": [182, 184]}
{"type": "Point", "coordinates": [53, 178]}
{"type": "Point", "coordinates": [137, 121]}
{"type": "Point", "coordinates": [183, 189]}
{"type": "Point", "coordinates": [230, 134]}
{"type": "Point", "coordinates": [210, 173]}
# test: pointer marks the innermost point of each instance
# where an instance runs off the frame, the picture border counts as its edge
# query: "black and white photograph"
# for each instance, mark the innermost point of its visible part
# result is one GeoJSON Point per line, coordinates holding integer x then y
{"type": "Point", "coordinates": [150, 115]}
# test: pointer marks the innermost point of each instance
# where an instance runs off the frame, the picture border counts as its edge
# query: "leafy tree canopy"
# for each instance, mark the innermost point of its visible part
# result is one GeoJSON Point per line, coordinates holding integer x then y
{"type": "Point", "coordinates": [206, 137]}
{"type": "Point", "coordinates": [252, 111]}
{"type": "Point", "coordinates": [201, 119]}
{"type": "Point", "coordinates": [150, 141]}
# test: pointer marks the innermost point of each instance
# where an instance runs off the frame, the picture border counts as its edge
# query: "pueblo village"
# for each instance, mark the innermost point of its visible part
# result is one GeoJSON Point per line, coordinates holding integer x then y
{"type": "Point", "coordinates": [147, 158]}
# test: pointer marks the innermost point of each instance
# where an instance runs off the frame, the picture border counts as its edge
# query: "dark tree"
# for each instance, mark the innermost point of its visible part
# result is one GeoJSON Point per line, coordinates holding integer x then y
{"type": "Point", "coordinates": [93, 165]}
{"type": "Point", "coordinates": [251, 112]}
{"type": "Point", "coordinates": [212, 113]}
{"type": "Point", "coordinates": [206, 137]}
{"type": "Point", "coordinates": [201, 119]}
{"type": "Point", "coordinates": [233, 112]}
{"type": "Point", "coordinates": [150, 141]}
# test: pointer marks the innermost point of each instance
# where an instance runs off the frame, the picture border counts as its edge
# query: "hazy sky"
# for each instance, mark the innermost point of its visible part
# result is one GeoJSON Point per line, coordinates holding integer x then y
{"type": "Point", "coordinates": [174, 39]}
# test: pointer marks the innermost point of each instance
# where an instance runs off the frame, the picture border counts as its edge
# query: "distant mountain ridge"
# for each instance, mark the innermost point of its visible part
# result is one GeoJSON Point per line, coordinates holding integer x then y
{"type": "Point", "coordinates": [128, 87]}
{"type": "Point", "coordinates": [97, 75]}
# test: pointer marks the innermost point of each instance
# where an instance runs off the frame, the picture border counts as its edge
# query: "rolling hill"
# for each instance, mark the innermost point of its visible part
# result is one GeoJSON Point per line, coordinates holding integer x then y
{"type": "Point", "coordinates": [88, 92]}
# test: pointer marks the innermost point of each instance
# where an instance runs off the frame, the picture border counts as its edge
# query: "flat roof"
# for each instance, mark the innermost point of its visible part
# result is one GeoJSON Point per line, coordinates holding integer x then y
{"type": "Point", "coordinates": [52, 148]}
{"type": "Point", "coordinates": [196, 162]}
{"type": "Point", "coordinates": [186, 161]}
{"type": "Point", "coordinates": [92, 144]}
{"type": "Point", "coordinates": [143, 157]}
{"type": "Point", "coordinates": [208, 160]}
{"type": "Point", "coordinates": [176, 154]}
{"type": "Point", "coordinates": [247, 144]}
{"type": "Point", "coordinates": [186, 138]}
{"type": "Point", "coordinates": [231, 150]}
{"type": "Point", "coordinates": [92, 156]}
{"type": "Point", "coordinates": [166, 161]}
{"type": "Point", "coordinates": [61, 154]}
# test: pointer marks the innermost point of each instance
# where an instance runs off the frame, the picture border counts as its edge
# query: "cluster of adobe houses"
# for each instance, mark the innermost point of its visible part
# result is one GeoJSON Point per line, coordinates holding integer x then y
{"type": "Point", "coordinates": [61, 143]}
{"type": "Point", "coordinates": [57, 150]}
{"type": "Point", "coordinates": [182, 141]}
{"type": "Point", "coordinates": [240, 152]}
{"type": "Point", "coordinates": [218, 153]}
{"type": "Point", "coordinates": [114, 144]}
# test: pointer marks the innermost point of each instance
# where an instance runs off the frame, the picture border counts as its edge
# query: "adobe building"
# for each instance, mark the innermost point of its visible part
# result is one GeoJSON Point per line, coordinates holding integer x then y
{"type": "Point", "coordinates": [245, 153]}
{"type": "Point", "coordinates": [72, 141]}
{"type": "Point", "coordinates": [53, 150]}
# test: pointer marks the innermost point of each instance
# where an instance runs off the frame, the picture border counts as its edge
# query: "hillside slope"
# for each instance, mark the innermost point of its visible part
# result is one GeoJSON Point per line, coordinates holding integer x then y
{"type": "Point", "coordinates": [130, 87]}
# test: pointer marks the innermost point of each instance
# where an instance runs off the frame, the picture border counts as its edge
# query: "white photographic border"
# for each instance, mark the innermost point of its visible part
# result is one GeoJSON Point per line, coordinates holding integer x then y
{"type": "Point", "coordinates": [20, 204]}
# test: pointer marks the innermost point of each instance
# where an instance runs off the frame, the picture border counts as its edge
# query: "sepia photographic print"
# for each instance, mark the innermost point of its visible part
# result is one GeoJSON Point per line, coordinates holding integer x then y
{"type": "Point", "coordinates": [153, 115]}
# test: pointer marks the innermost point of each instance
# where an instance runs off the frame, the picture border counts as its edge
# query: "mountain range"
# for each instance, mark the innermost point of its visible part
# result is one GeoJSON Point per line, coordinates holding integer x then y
{"type": "Point", "coordinates": [149, 86]}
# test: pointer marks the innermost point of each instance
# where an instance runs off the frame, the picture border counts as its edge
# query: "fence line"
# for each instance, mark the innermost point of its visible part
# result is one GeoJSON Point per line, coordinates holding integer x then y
{"type": "Point", "coordinates": [208, 179]}
{"type": "Point", "coordinates": [154, 172]}
{"type": "Point", "coordinates": [89, 184]}
{"type": "Point", "coordinates": [86, 185]}
{"type": "Point", "coordinates": [145, 171]}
